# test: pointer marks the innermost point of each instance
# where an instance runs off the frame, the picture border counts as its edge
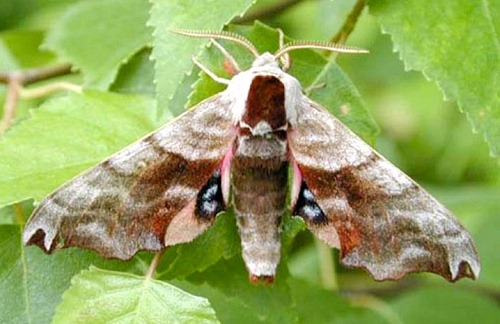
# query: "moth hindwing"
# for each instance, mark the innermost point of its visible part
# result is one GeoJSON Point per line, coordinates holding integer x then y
{"type": "Point", "coordinates": [168, 187]}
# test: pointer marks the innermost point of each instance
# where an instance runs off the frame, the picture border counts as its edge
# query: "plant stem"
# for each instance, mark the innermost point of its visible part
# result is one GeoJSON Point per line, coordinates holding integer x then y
{"type": "Point", "coordinates": [14, 87]}
{"type": "Point", "coordinates": [35, 75]}
{"type": "Point", "coordinates": [349, 23]}
{"type": "Point", "coordinates": [18, 211]}
{"type": "Point", "coordinates": [17, 80]}
{"type": "Point", "coordinates": [326, 266]}
{"type": "Point", "coordinates": [154, 264]}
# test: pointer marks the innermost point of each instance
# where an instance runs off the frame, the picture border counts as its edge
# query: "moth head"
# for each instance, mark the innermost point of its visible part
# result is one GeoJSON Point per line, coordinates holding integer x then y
{"type": "Point", "coordinates": [264, 98]}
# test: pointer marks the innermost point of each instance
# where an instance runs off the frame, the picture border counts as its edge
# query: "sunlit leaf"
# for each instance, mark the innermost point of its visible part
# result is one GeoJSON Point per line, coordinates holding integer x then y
{"type": "Point", "coordinates": [66, 136]}
{"type": "Point", "coordinates": [173, 52]}
{"type": "Point", "coordinates": [100, 296]}
{"type": "Point", "coordinates": [454, 43]}
{"type": "Point", "coordinates": [32, 283]}
{"type": "Point", "coordinates": [99, 36]}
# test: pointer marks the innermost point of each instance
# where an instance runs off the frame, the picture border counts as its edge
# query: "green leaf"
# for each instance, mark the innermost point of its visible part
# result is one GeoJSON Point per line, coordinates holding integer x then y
{"type": "Point", "coordinates": [20, 50]}
{"type": "Point", "coordinates": [136, 77]}
{"type": "Point", "coordinates": [66, 136]}
{"type": "Point", "coordinates": [454, 43]}
{"type": "Point", "coordinates": [267, 303]}
{"type": "Point", "coordinates": [173, 52]}
{"type": "Point", "coordinates": [229, 309]}
{"type": "Point", "coordinates": [445, 305]}
{"type": "Point", "coordinates": [317, 305]}
{"type": "Point", "coordinates": [219, 241]}
{"type": "Point", "coordinates": [32, 283]}
{"type": "Point", "coordinates": [100, 296]}
{"type": "Point", "coordinates": [14, 214]}
{"type": "Point", "coordinates": [486, 238]}
{"type": "Point", "coordinates": [339, 95]}
{"type": "Point", "coordinates": [477, 208]}
{"type": "Point", "coordinates": [99, 36]}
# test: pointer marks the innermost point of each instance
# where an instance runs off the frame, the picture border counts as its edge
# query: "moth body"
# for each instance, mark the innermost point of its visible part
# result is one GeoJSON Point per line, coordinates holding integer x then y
{"type": "Point", "coordinates": [259, 172]}
{"type": "Point", "coordinates": [169, 187]}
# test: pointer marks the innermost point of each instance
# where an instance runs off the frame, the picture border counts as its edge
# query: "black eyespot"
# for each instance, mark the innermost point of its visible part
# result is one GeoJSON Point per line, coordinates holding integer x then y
{"type": "Point", "coordinates": [209, 201]}
{"type": "Point", "coordinates": [307, 208]}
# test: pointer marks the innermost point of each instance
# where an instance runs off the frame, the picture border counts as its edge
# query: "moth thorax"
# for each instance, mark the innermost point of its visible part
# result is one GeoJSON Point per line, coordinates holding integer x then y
{"type": "Point", "coordinates": [265, 106]}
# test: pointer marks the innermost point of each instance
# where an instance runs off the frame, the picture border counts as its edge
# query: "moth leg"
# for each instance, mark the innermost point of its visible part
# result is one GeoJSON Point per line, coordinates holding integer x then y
{"type": "Point", "coordinates": [210, 73]}
{"type": "Point", "coordinates": [230, 63]}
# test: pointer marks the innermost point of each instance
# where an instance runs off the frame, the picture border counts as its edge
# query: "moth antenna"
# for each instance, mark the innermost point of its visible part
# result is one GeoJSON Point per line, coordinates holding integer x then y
{"type": "Point", "coordinates": [219, 35]}
{"type": "Point", "coordinates": [339, 48]}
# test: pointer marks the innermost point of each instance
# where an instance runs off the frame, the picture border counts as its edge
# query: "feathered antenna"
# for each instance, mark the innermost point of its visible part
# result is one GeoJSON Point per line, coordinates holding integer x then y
{"type": "Point", "coordinates": [219, 35]}
{"type": "Point", "coordinates": [339, 48]}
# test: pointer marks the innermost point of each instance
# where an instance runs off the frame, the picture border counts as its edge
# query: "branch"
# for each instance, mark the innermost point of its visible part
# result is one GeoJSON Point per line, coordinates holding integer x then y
{"type": "Point", "coordinates": [34, 75]}
{"type": "Point", "coordinates": [349, 23]}
{"type": "Point", "coordinates": [14, 87]}
{"type": "Point", "coordinates": [17, 80]}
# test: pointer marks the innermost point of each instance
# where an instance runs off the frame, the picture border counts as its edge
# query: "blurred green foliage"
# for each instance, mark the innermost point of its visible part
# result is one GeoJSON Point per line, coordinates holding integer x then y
{"type": "Point", "coordinates": [52, 139]}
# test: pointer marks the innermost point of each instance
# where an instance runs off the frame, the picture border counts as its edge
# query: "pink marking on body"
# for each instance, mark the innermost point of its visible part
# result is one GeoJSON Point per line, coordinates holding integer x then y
{"type": "Point", "coordinates": [296, 181]}
{"type": "Point", "coordinates": [225, 171]}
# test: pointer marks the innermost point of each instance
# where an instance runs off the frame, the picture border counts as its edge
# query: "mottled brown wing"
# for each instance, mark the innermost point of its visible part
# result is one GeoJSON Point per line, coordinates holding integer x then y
{"type": "Point", "coordinates": [379, 218]}
{"type": "Point", "coordinates": [143, 197]}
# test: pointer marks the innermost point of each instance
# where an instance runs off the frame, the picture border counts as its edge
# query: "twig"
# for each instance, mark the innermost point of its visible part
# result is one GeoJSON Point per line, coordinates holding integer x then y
{"type": "Point", "coordinates": [14, 87]}
{"type": "Point", "coordinates": [17, 80]}
{"type": "Point", "coordinates": [34, 75]}
{"type": "Point", "coordinates": [349, 23]}
{"type": "Point", "coordinates": [265, 12]}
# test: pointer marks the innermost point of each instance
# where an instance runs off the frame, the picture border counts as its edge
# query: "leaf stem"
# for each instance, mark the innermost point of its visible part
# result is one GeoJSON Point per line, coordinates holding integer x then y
{"type": "Point", "coordinates": [349, 23]}
{"type": "Point", "coordinates": [18, 211]}
{"type": "Point", "coordinates": [154, 264]}
{"type": "Point", "coordinates": [48, 89]}
{"type": "Point", "coordinates": [326, 266]}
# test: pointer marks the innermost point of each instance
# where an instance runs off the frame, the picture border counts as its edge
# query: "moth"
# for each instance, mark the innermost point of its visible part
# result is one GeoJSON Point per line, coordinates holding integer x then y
{"type": "Point", "coordinates": [169, 187]}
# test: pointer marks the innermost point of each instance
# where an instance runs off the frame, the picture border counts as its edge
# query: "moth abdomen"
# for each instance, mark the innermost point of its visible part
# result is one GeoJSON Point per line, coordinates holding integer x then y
{"type": "Point", "coordinates": [259, 180]}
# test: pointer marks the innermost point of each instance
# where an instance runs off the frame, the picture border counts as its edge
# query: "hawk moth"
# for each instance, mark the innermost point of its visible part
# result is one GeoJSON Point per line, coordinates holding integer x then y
{"type": "Point", "coordinates": [168, 187]}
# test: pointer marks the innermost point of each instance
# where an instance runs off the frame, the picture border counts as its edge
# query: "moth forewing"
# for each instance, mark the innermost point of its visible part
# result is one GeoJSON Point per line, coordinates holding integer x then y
{"type": "Point", "coordinates": [127, 203]}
